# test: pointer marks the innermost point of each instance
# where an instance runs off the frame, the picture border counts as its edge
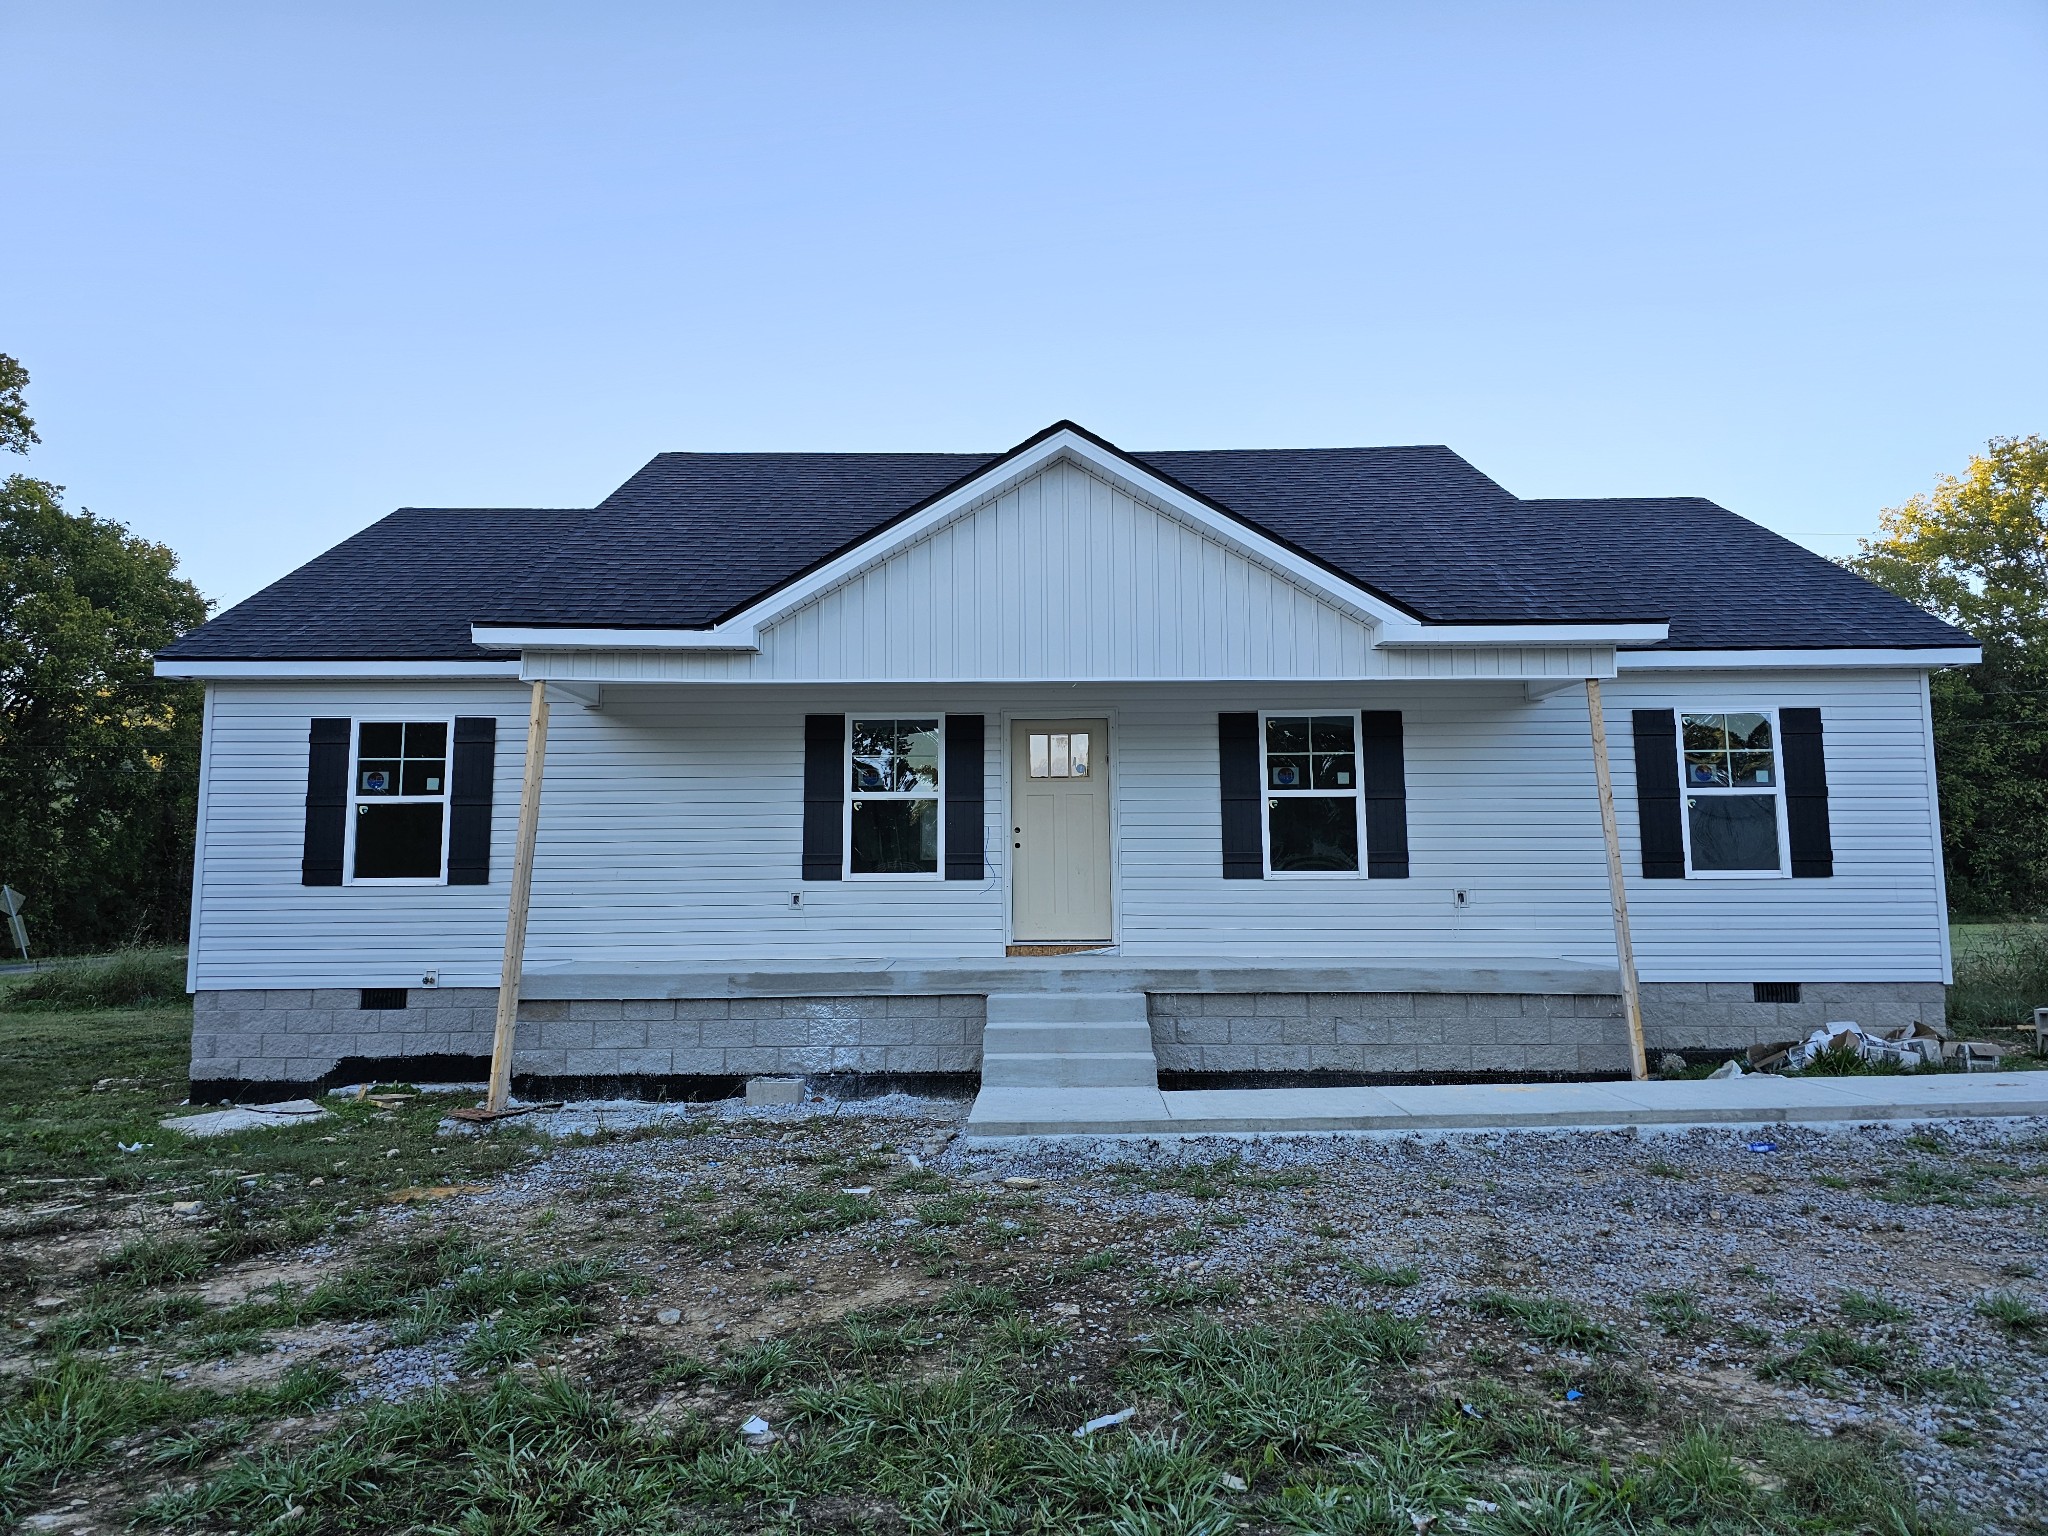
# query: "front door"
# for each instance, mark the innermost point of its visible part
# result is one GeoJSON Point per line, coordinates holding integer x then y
{"type": "Point", "coordinates": [1059, 831]}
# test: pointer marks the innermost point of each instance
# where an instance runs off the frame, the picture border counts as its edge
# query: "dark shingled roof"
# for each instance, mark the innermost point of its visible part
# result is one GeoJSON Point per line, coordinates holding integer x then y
{"type": "Point", "coordinates": [694, 537]}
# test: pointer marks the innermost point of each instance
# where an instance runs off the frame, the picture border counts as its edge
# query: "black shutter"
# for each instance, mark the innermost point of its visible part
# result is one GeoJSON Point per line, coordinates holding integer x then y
{"type": "Point", "coordinates": [1657, 809]}
{"type": "Point", "coordinates": [1385, 781]}
{"type": "Point", "coordinates": [824, 795]}
{"type": "Point", "coordinates": [964, 745]}
{"type": "Point", "coordinates": [326, 802]}
{"type": "Point", "coordinates": [470, 773]}
{"type": "Point", "coordinates": [1237, 764]}
{"type": "Point", "coordinates": [1806, 794]}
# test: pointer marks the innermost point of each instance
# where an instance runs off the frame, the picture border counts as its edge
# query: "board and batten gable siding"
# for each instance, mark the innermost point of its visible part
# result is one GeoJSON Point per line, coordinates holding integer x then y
{"type": "Point", "coordinates": [1063, 577]}
{"type": "Point", "coordinates": [671, 831]}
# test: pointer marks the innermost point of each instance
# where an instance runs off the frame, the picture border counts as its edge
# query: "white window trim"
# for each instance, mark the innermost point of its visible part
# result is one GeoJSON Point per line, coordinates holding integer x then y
{"type": "Point", "coordinates": [1266, 793]}
{"type": "Point", "coordinates": [446, 799]}
{"type": "Point", "coordinates": [1777, 790]}
{"type": "Point", "coordinates": [846, 800]}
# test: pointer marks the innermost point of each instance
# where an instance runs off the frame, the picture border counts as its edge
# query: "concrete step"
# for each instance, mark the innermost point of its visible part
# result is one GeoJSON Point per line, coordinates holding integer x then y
{"type": "Point", "coordinates": [1067, 1008]}
{"type": "Point", "coordinates": [1070, 1069]}
{"type": "Point", "coordinates": [1003, 1038]}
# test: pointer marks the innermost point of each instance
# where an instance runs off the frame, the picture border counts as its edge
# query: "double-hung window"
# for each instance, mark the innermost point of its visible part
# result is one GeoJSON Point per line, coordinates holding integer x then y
{"type": "Point", "coordinates": [1734, 794]}
{"type": "Point", "coordinates": [893, 804]}
{"type": "Point", "coordinates": [398, 801]}
{"type": "Point", "coordinates": [1312, 794]}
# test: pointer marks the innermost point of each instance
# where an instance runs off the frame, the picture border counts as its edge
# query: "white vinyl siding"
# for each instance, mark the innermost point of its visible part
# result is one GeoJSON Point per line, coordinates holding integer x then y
{"type": "Point", "coordinates": [671, 829]}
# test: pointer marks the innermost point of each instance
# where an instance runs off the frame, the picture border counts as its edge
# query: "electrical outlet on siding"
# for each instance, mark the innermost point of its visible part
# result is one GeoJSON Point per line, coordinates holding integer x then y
{"type": "Point", "coordinates": [1461, 897]}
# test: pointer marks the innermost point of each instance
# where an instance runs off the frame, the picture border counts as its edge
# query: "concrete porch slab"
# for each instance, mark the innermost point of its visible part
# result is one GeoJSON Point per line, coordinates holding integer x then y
{"type": "Point", "coordinates": [1749, 1101]}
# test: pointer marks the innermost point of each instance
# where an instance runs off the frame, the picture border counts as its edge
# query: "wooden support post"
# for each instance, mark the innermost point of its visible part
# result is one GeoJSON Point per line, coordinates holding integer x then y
{"type": "Point", "coordinates": [1617, 891]}
{"type": "Point", "coordinates": [516, 908]}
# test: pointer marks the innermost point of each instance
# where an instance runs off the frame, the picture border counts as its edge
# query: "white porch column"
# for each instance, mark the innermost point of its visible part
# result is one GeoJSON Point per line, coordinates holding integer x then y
{"type": "Point", "coordinates": [522, 894]}
{"type": "Point", "coordinates": [1617, 891]}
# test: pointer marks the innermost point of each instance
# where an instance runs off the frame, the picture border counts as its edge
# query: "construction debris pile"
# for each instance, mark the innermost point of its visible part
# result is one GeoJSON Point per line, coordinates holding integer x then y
{"type": "Point", "coordinates": [1910, 1048]}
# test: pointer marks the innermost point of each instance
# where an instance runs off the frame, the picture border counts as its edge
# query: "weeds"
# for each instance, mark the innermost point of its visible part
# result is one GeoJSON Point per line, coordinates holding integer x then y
{"type": "Point", "coordinates": [2012, 1312]}
{"type": "Point", "coordinates": [133, 978]}
{"type": "Point", "coordinates": [1397, 1277]}
{"type": "Point", "coordinates": [1678, 1313]}
{"type": "Point", "coordinates": [1828, 1354]}
{"type": "Point", "coordinates": [1547, 1319]}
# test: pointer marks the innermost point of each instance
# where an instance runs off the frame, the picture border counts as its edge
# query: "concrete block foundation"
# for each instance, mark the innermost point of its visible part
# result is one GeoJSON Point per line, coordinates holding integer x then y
{"type": "Point", "coordinates": [310, 1036]}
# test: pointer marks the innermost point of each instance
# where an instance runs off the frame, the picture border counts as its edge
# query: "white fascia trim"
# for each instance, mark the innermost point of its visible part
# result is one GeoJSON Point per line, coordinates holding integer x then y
{"type": "Point", "coordinates": [734, 635]}
{"type": "Point", "coordinates": [216, 671]}
{"type": "Point", "coordinates": [1932, 656]}
{"type": "Point", "coordinates": [1069, 445]}
{"type": "Point", "coordinates": [1529, 634]}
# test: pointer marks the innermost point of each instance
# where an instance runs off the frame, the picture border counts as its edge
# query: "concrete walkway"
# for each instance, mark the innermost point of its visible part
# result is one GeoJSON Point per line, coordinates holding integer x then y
{"type": "Point", "coordinates": [1746, 1101]}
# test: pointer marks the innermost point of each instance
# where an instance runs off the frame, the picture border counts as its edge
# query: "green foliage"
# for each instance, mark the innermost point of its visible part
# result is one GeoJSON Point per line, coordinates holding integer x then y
{"type": "Point", "coordinates": [17, 429]}
{"type": "Point", "coordinates": [1547, 1319]}
{"type": "Point", "coordinates": [60, 1422]}
{"type": "Point", "coordinates": [2001, 977]}
{"type": "Point", "coordinates": [2013, 1312]}
{"type": "Point", "coordinates": [145, 978]}
{"type": "Point", "coordinates": [98, 760]}
{"type": "Point", "coordinates": [1975, 551]}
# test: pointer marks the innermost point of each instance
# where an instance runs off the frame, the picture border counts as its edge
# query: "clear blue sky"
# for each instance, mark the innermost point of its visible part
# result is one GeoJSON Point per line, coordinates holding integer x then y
{"type": "Point", "coordinates": [277, 269]}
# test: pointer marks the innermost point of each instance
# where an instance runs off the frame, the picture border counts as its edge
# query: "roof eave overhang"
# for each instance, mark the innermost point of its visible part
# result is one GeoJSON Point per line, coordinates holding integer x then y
{"type": "Point", "coordinates": [256, 668]}
{"type": "Point", "coordinates": [1783, 658]}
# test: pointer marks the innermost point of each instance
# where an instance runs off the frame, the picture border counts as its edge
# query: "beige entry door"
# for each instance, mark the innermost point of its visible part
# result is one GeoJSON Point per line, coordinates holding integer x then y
{"type": "Point", "coordinates": [1059, 831]}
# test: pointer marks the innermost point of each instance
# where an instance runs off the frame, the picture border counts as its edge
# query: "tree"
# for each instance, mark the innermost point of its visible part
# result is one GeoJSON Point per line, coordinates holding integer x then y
{"type": "Point", "coordinates": [98, 760]}
{"type": "Point", "coordinates": [1975, 551]}
{"type": "Point", "coordinates": [17, 431]}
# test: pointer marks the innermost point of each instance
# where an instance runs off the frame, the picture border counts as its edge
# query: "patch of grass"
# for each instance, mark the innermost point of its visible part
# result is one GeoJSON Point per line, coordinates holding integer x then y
{"type": "Point", "coordinates": [978, 1301]}
{"type": "Point", "coordinates": [60, 1423]}
{"type": "Point", "coordinates": [1206, 1181]}
{"type": "Point", "coordinates": [1862, 1307]}
{"type": "Point", "coordinates": [954, 1210]}
{"type": "Point", "coordinates": [150, 1261]}
{"type": "Point", "coordinates": [1547, 1319]}
{"type": "Point", "coordinates": [1606, 1385]}
{"type": "Point", "coordinates": [131, 978]}
{"type": "Point", "coordinates": [2012, 1312]}
{"type": "Point", "coordinates": [1932, 1184]}
{"type": "Point", "coordinates": [1313, 1387]}
{"type": "Point", "coordinates": [1678, 1313]}
{"type": "Point", "coordinates": [1189, 1290]}
{"type": "Point", "coordinates": [115, 1315]}
{"type": "Point", "coordinates": [1664, 1170]}
{"type": "Point", "coordinates": [1824, 1356]}
{"type": "Point", "coordinates": [1393, 1277]}
{"type": "Point", "coordinates": [1016, 1334]}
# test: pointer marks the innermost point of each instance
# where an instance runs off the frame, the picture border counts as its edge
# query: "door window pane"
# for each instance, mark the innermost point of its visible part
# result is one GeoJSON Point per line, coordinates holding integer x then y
{"type": "Point", "coordinates": [1733, 832]}
{"type": "Point", "coordinates": [895, 837]}
{"type": "Point", "coordinates": [1313, 833]}
{"type": "Point", "coordinates": [398, 842]}
{"type": "Point", "coordinates": [1057, 754]}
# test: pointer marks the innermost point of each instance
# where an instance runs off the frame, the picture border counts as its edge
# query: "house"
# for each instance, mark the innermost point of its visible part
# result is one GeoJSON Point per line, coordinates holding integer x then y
{"type": "Point", "coordinates": [1116, 764]}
